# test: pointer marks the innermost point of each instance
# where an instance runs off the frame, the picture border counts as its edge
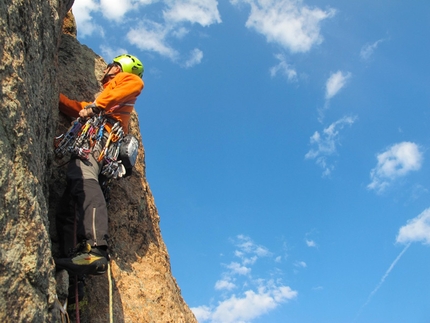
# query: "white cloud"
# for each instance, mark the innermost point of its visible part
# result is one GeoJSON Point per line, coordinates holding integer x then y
{"type": "Point", "coordinates": [115, 10]}
{"type": "Point", "coordinates": [237, 268]}
{"type": "Point", "coordinates": [196, 57]}
{"type": "Point", "coordinates": [82, 10]}
{"type": "Point", "coordinates": [110, 53]}
{"type": "Point", "coordinates": [146, 2]}
{"type": "Point", "coordinates": [203, 12]}
{"type": "Point", "coordinates": [225, 284]}
{"type": "Point", "coordinates": [310, 243]}
{"type": "Point", "coordinates": [300, 264]}
{"type": "Point", "coordinates": [202, 313]}
{"type": "Point", "coordinates": [284, 68]}
{"type": "Point", "coordinates": [368, 49]}
{"type": "Point", "coordinates": [261, 251]}
{"type": "Point", "coordinates": [151, 36]}
{"type": "Point", "coordinates": [247, 307]}
{"type": "Point", "coordinates": [397, 161]}
{"type": "Point", "coordinates": [180, 32]}
{"type": "Point", "coordinates": [246, 245]}
{"type": "Point", "coordinates": [254, 296]}
{"type": "Point", "coordinates": [146, 34]}
{"type": "Point", "coordinates": [248, 251]}
{"type": "Point", "coordinates": [416, 230]}
{"type": "Point", "coordinates": [249, 260]}
{"type": "Point", "coordinates": [288, 23]}
{"type": "Point", "coordinates": [335, 82]}
{"type": "Point", "coordinates": [326, 143]}
{"type": "Point", "coordinates": [112, 10]}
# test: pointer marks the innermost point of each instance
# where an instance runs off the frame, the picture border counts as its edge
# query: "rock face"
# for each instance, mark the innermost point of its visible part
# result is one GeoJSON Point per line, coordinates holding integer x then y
{"type": "Point", "coordinates": [28, 93]}
{"type": "Point", "coordinates": [39, 62]}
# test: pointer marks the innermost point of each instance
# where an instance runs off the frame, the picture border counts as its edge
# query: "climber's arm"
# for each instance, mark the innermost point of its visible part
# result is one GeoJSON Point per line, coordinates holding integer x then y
{"type": "Point", "coordinates": [71, 107]}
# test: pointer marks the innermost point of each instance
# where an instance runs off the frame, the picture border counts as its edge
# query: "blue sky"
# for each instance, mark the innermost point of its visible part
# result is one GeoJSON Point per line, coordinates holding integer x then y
{"type": "Point", "coordinates": [287, 150]}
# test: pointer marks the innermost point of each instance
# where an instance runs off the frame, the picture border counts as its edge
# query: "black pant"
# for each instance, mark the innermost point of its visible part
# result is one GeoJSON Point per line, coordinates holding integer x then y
{"type": "Point", "coordinates": [84, 201]}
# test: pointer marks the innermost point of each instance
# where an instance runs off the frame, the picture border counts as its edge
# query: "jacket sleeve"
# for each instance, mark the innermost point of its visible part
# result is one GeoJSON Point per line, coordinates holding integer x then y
{"type": "Point", "coordinates": [71, 107]}
{"type": "Point", "coordinates": [124, 87]}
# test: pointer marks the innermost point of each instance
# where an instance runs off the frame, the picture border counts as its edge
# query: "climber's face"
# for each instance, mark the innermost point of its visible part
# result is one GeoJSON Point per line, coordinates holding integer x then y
{"type": "Point", "coordinates": [110, 72]}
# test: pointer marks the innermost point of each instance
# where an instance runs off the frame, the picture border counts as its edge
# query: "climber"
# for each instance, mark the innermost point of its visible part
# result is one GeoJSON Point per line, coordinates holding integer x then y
{"type": "Point", "coordinates": [122, 84]}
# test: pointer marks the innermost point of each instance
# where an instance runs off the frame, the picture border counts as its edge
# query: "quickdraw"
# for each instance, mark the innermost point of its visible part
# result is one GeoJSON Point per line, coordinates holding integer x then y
{"type": "Point", "coordinates": [64, 142]}
{"type": "Point", "coordinates": [81, 138]}
{"type": "Point", "coordinates": [113, 167]}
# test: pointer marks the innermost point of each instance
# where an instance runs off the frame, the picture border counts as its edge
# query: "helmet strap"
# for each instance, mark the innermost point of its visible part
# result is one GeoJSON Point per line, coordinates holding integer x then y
{"type": "Point", "coordinates": [108, 75]}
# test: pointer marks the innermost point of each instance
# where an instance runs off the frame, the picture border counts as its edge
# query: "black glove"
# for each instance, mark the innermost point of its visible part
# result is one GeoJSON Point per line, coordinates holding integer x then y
{"type": "Point", "coordinates": [93, 108]}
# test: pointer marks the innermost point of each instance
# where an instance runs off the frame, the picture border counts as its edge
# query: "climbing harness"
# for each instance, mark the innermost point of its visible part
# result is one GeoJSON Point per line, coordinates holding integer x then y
{"type": "Point", "coordinates": [83, 135]}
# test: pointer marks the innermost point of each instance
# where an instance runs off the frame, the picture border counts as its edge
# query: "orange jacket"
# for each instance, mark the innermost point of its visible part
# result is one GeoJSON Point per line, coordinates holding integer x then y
{"type": "Point", "coordinates": [117, 99]}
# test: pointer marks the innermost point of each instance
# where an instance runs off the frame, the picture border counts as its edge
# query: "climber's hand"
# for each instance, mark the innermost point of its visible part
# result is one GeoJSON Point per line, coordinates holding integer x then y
{"type": "Point", "coordinates": [86, 113]}
{"type": "Point", "coordinates": [89, 111]}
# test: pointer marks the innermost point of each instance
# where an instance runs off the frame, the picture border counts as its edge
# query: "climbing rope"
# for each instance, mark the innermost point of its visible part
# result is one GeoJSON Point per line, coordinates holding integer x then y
{"type": "Point", "coordinates": [75, 242]}
{"type": "Point", "coordinates": [110, 294]}
{"type": "Point", "coordinates": [78, 319]}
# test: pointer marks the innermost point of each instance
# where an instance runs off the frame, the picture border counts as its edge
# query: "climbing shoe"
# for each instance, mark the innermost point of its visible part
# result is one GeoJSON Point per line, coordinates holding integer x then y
{"type": "Point", "coordinates": [85, 261]}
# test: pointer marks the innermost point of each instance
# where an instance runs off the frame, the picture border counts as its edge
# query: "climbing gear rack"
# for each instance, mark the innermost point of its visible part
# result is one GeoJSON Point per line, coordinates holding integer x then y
{"type": "Point", "coordinates": [83, 135]}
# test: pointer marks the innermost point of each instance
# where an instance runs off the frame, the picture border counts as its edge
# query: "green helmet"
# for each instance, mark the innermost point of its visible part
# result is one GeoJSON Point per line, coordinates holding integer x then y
{"type": "Point", "coordinates": [130, 64]}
